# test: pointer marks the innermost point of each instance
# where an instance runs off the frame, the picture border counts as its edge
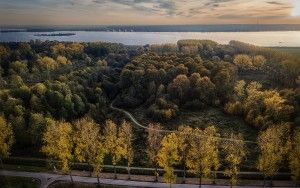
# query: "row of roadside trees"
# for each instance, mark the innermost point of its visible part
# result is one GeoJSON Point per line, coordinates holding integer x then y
{"type": "Point", "coordinates": [198, 151]}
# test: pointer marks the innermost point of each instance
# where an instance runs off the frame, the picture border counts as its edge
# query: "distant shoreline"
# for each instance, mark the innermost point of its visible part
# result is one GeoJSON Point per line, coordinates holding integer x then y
{"type": "Point", "coordinates": [54, 34]}
{"type": "Point", "coordinates": [157, 28]}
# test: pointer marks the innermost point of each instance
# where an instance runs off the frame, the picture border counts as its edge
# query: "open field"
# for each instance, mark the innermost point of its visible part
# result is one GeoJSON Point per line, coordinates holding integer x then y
{"type": "Point", "coordinates": [292, 50]}
{"type": "Point", "coordinates": [18, 182]}
{"type": "Point", "coordinates": [210, 116]}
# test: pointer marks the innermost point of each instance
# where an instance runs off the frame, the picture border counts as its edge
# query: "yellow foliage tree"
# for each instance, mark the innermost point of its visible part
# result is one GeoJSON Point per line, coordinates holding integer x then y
{"type": "Point", "coordinates": [184, 145]}
{"type": "Point", "coordinates": [59, 48]}
{"type": "Point", "coordinates": [112, 143]}
{"type": "Point", "coordinates": [243, 61]}
{"type": "Point", "coordinates": [6, 138]}
{"type": "Point", "coordinates": [154, 140]}
{"type": "Point", "coordinates": [58, 143]}
{"type": "Point", "coordinates": [234, 150]}
{"type": "Point", "coordinates": [259, 61]}
{"type": "Point", "coordinates": [62, 60]}
{"type": "Point", "coordinates": [294, 157]}
{"type": "Point", "coordinates": [168, 156]}
{"type": "Point", "coordinates": [126, 139]}
{"type": "Point", "coordinates": [203, 154]}
{"type": "Point", "coordinates": [88, 144]}
{"type": "Point", "coordinates": [273, 147]}
{"type": "Point", "coordinates": [48, 63]}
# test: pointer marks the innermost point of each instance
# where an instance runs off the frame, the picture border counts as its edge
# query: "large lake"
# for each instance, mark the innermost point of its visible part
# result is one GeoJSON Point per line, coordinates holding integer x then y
{"type": "Point", "coordinates": [268, 38]}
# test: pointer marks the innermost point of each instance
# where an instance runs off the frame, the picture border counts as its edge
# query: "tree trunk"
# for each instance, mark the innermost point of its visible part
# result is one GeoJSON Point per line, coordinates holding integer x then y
{"type": "Point", "coordinates": [184, 175]}
{"type": "Point", "coordinates": [70, 173]}
{"type": "Point", "coordinates": [90, 167]}
{"type": "Point", "coordinates": [215, 177]}
{"type": "Point", "coordinates": [156, 174]}
{"type": "Point", "coordinates": [2, 166]}
{"type": "Point", "coordinates": [129, 175]}
{"type": "Point", "coordinates": [271, 185]}
{"type": "Point", "coordinates": [98, 179]}
{"type": "Point", "coordinates": [115, 172]}
{"type": "Point", "coordinates": [200, 181]}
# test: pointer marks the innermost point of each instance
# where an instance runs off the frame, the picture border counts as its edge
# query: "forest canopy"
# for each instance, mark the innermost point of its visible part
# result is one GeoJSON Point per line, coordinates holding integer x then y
{"type": "Point", "coordinates": [48, 85]}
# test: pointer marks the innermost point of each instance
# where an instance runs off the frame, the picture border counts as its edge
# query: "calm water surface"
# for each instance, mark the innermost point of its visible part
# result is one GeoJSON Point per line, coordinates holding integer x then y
{"type": "Point", "coordinates": [270, 38]}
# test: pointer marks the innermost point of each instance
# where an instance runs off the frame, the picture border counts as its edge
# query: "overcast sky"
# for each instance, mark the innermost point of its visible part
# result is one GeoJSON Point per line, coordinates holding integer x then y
{"type": "Point", "coordinates": [95, 12]}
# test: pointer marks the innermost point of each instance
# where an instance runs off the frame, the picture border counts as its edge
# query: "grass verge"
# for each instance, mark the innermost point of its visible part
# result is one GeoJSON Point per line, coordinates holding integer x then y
{"type": "Point", "coordinates": [18, 182]}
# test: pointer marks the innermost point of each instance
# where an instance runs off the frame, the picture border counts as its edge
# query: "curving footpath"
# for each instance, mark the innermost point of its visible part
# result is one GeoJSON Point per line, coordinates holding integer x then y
{"type": "Point", "coordinates": [135, 122]}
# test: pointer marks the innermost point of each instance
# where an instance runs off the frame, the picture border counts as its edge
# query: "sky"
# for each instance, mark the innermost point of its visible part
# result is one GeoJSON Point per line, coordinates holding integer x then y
{"type": "Point", "coordinates": [148, 12]}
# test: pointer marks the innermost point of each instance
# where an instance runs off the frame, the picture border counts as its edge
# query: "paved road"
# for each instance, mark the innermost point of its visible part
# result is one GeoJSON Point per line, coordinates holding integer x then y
{"type": "Point", "coordinates": [46, 179]}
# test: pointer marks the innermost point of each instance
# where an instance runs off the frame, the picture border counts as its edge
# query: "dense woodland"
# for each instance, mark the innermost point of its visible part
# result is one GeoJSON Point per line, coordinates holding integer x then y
{"type": "Point", "coordinates": [54, 92]}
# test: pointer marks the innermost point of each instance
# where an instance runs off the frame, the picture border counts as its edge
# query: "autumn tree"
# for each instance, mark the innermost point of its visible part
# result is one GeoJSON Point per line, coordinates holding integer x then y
{"type": "Point", "coordinates": [62, 60]}
{"type": "Point", "coordinates": [58, 143]}
{"type": "Point", "coordinates": [168, 156]}
{"type": "Point", "coordinates": [153, 144]}
{"type": "Point", "coordinates": [184, 145]}
{"type": "Point", "coordinates": [112, 143]}
{"type": "Point", "coordinates": [234, 151]}
{"type": "Point", "coordinates": [88, 144]}
{"type": "Point", "coordinates": [48, 63]}
{"type": "Point", "coordinates": [243, 61]}
{"type": "Point", "coordinates": [273, 148]}
{"type": "Point", "coordinates": [6, 138]}
{"type": "Point", "coordinates": [259, 61]}
{"type": "Point", "coordinates": [126, 138]}
{"type": "Point", "coordinates": [294, 157]}
{"type": "Point", "coordinates": [203, 154]}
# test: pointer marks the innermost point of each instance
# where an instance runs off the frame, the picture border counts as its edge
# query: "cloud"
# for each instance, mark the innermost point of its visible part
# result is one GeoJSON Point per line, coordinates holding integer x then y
{"type": "Point", "coordinates": [148, 11]}
{"type": "Point", "coordinates": [275, 3]}
{"type": "Point", "coordinates": [167, 7]}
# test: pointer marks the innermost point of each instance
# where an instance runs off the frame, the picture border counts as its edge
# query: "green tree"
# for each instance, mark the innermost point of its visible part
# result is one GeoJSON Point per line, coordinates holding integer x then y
{"type": "Point", "coordinates": [168, 156]}
{"type": "Point", "coordinates": [178, 89]}
{"type": "Point", "coordinates": [153, 144]}
{"type": "Point", "coordinates": [16, 81]}
{"type": "Point", "coordinates": [58, 143]}
{"type": "Point", "coordinates": [234, 150]}
{"type": "Point", "coordinates": [203, 154]}
{"type": "Point", "coordinates": [37, 124]}
{"type": "Point", "coordinates": [126, 138]}
{"type": "Point", "coordinates": [18, 67]}
{"type": "Point", "coordinates": [6, 138]}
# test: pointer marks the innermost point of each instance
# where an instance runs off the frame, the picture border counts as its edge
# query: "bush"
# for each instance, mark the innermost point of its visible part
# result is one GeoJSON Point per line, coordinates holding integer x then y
{"type": "Point", "coordinates": [234, 108]}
